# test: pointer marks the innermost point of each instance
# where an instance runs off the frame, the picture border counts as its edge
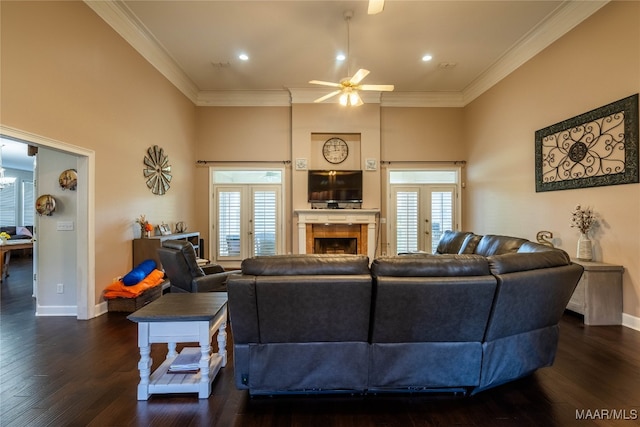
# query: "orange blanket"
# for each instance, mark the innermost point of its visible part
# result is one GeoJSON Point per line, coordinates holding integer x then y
{"type": "Point", "coordinates": [120, 290]}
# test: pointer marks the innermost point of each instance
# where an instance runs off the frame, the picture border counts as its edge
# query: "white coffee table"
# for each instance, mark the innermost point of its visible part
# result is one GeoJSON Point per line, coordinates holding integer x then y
{"type": "Point", "coordinates": [175, 318]}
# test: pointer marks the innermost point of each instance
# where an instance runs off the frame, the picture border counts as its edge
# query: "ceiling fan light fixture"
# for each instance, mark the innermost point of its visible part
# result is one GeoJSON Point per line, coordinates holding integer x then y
{"type": "Point", "coordinates": [355, 100]}
{"type": "Point", "coordinates": [375, 7]}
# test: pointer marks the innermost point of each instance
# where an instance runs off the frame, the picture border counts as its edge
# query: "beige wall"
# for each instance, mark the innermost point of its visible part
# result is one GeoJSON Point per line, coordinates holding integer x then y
{"type": "Point", "coordinates": [73, 79]}
{"type": "Point", "coordinates": [68, 76]}
{"type": "Point", "coordinates": [425, 134]}
{"type": "Point", "coordinates": [595, 64]}
{"type": "Point", "coordinates": [237, 136]}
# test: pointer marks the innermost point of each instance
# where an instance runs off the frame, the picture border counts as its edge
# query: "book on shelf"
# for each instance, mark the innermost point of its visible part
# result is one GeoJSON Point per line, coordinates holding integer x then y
{"type": "Point", "coordinates": [188, 361]}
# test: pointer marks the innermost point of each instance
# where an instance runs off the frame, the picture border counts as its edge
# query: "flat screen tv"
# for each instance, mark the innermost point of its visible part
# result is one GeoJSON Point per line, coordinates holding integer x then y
{"type": "Point", "coordinates": [327, 186]}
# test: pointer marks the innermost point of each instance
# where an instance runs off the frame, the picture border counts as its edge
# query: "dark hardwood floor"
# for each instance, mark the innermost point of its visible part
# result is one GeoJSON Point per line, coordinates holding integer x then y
{"type": "Point", "coordinates": [59, 371]}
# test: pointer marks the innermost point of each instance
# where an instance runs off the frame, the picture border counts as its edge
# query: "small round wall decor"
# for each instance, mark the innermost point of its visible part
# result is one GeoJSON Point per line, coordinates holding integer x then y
{"type": "Point", "coordinates": [69, 180]}
{"type": "Point", "coordinates": [157, 170]}
{"type": "Point", "coordinates": [45, 204]}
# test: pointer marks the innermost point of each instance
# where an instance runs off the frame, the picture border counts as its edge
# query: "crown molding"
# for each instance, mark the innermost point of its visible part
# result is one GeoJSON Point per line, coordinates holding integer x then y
{"type": "Point", "coordinates": [423, 99]}
{"type": "Point", "coordinates": [568, 15]}
{"type": "Point", "coordinates": [241, 98]}
{"type": "Point", "coordinates": [309, 95]}
{"type": "Point", "coordinates": [562, 20]}
{"type": "Point", "coordinates": [124, 22]}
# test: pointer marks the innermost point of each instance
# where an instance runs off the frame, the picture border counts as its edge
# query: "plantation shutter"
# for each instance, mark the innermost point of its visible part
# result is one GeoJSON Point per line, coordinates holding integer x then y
{"type": "Point", "coordinates": [8, 206]}
{"type": "Point", "coordinates": [264, 222]}
{"type": "Point", "coordinates": [406, 221]}
{"type": "Point", "coordinates": [28, 207]}
{"type": "Point", "coordinates": [229, 223]}
{"type": "Point", "coordinates": [441, 215]}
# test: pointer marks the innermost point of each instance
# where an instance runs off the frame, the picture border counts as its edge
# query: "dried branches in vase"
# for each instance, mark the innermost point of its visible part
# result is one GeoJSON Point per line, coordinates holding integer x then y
{"type": "Point", "coordinates": [584, 219]}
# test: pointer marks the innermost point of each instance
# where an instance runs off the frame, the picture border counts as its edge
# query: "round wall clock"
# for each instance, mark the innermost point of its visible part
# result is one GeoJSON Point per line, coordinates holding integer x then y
{"type": "Point", "coordinates": [335, 150]}
{"type": "Point", "coordinates": [157, 170]}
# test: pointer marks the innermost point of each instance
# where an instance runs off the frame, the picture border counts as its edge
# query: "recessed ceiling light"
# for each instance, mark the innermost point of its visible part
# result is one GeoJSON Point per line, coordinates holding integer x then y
{"type": "Point", "coordinates": [341, 57]}
{"type": "Point", "coordinates": [427, 58]}
{"type": "Point", "coordinates": [243, 56]}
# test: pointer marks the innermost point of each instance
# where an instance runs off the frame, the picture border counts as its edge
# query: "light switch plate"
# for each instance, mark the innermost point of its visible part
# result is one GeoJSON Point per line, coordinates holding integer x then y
{"type": "Point", "coordinates": [64, 226]}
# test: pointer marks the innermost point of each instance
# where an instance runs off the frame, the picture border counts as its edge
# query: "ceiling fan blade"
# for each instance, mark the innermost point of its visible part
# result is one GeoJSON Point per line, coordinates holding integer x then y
{"type": "Point", "coordinates": [320, 82]}
{"type": "Point", "coordinates": [381, 88]}
{"type": "Point", "coordinates": [358, 76]}
{"type": "Point", "coordinates": [327, 96]}
{"type": "Point", "coordinates": [375, 6]}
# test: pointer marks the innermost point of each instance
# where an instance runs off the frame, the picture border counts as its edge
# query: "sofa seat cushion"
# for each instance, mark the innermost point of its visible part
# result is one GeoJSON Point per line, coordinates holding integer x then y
{"type": "Point", "coordinates": [306, 264]}
{"type": "Point", "coordinates": [426, 265]}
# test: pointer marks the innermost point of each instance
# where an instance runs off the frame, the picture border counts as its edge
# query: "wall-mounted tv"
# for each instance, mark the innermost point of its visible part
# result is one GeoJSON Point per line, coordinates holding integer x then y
{"type": "Point", "coordinates": [331, 186]}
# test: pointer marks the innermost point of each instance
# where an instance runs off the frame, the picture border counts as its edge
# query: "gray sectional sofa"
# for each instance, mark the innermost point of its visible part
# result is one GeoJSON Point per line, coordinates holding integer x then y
{"type": "Point", "coordinates": [482, 311]}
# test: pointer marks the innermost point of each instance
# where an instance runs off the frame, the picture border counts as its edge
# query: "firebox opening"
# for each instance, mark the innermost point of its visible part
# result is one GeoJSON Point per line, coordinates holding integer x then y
{"type": "Point", "coordinates": [335, 245]}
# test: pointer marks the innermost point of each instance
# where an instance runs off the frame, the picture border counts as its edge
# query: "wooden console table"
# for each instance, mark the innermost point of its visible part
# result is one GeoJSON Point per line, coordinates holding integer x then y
{"type": "Point", "coordinates": [5, 250]}
{"type": "Point", "coordinates": [178, 318]}
{"type": "Point", "coordinates": [146, 248]}
{"type": "Point", "coordinates": [598, 295]}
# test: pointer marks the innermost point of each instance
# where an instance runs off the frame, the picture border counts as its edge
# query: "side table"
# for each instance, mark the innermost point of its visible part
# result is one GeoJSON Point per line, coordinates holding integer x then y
{"type": "Point", "coordinates": [598, 295]}
{"type": "Point", "coordinates": [178, 318]}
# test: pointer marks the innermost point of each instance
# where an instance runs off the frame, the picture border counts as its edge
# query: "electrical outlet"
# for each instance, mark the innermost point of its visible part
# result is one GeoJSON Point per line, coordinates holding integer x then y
{"type": "Point", "coordinates": [60, 288]}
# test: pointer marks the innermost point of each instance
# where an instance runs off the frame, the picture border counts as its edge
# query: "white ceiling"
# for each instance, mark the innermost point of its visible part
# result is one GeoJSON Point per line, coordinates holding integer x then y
{"type": "Point", "coordinates": [196, 43]}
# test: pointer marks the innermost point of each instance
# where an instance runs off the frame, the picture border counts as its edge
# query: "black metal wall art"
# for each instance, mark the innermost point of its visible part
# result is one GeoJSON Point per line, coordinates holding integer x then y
{"type": "Point", "coordinates": [596, 148]}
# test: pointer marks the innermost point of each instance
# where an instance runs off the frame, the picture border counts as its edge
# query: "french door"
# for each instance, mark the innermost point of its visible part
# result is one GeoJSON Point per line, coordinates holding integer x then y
{"type": "Point", "coordinates": [419, 215]}
{"type": "Point", "coordinates": [247, 221]}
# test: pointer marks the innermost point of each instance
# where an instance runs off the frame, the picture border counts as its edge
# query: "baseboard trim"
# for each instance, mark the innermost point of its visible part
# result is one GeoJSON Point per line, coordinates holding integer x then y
{"type": "Point", "coordinates": [630, 321]}
{"type": "Point", "coordinates": [57, 310]}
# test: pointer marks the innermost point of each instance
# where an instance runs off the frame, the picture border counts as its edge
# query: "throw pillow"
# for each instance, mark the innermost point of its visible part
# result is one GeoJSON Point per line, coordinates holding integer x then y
{"type": "Point", "coordinates": [139, 273]}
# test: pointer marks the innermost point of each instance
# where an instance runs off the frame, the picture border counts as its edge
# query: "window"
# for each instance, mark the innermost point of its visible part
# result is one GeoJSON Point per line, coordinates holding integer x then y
{"type": "Point", "coordinates": [424, 205]}
{"type": "Point", "coordinates": [248, 216]}
{"type": "Point", "coordinates": [8, 206]}
{"type": "Point", "coordinates": [28, 207]}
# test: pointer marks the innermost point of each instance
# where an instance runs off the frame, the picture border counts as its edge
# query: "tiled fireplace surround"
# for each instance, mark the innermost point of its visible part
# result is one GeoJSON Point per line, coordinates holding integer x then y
{"type": "Point", "coordinates": [337, 231]}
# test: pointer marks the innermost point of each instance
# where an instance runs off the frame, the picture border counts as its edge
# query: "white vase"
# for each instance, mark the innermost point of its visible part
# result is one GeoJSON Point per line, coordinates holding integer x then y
{"type": "Point", "coordinates": [585, 251]}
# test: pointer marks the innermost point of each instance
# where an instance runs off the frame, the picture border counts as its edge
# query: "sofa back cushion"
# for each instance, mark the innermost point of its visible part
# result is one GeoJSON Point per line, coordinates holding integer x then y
{"type": "Point", "coordinates": [431, 298]}
{"type": "Point", "coordinates": [328, 308]}
{"type": "Point", "coordinates": [306, 264]}
{"type": "Point", "coordinates": [533, 291]}
{"type": "Point", "coordinates": [426, 265]}
{"type": "Point", "coordinates": [496, 245]}
{"type": "Point", "coordinates": [523, 261]}
{"type": "Point", "coordinates": [451, 241]}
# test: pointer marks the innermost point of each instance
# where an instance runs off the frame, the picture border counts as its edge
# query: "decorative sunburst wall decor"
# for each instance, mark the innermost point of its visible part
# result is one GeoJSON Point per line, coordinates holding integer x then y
{"type": "Point", "coordinates": [157, 170]}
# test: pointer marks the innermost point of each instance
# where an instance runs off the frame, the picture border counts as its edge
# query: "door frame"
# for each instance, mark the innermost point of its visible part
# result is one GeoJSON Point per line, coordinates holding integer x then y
{"type": "Point", "coordinates": [85, 218]}
{"type": "Point", "coordinates": [390, 207]}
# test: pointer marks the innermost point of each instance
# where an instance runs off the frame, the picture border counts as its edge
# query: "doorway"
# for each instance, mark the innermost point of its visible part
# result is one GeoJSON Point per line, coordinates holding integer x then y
{"type": "Point", "coordinates": [81, 303]}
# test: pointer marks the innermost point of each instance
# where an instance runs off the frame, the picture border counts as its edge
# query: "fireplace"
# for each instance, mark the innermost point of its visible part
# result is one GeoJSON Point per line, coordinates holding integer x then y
{"type": "Point", "coordinates": [337, 231]}
{"type": "Point", "coordinates": [336, 239]}
{"type": "Point", "coordinates": [335, 245]}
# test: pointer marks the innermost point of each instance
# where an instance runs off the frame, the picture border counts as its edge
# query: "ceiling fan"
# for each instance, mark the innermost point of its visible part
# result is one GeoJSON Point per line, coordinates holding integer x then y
{"type": "Point", "coordinates": [375, 6]}
{"type": "Point", "coordinates": [349, 87]}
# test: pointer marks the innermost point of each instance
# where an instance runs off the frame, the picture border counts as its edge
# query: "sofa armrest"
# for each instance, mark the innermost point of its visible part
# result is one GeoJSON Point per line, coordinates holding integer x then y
{"type": "Point", "coordinates": [211, 282]}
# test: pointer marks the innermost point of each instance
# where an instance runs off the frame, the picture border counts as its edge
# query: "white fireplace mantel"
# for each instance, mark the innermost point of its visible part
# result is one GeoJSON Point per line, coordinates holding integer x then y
{"type": "Point", "coordinates": [338, 216]}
